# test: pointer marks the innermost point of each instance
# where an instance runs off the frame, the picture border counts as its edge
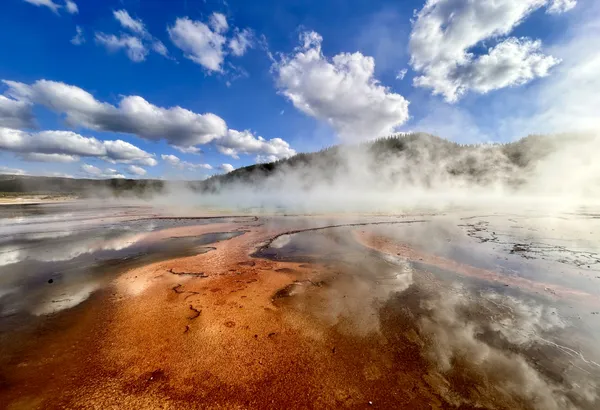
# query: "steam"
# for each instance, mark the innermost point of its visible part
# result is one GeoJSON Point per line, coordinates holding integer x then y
{"type": "Point", "coordinates": [552, 172]}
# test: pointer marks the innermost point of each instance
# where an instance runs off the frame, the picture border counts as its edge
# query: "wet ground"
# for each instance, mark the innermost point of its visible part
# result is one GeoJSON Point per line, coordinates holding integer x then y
{"type": "Point", "coordinates": [132, 307]}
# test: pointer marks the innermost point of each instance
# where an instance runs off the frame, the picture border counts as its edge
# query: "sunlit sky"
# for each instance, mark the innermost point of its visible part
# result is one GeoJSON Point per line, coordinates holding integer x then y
{"type": "Point", "coordinates": [191, 88]}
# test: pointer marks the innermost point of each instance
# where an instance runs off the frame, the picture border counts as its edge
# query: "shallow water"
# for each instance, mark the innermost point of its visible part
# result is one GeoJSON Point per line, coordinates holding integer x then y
{"type": "Point", "coordinates": [549, 342]}
{"type": "Point", "coordinates": [51, 260]}
{"type": "Point", "coordinates": [455, 311]}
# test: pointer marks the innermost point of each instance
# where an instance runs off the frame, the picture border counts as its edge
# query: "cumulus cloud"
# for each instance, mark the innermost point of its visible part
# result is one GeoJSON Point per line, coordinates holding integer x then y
{"type": "Point", "coordinates": [244, 142]}
{"type": "Point", "coordinates": [133, 115]}
{"type": "Point", "coordinates": [241, 41]}
{"type": "Point", "coordinates": [71, 7]}
{"type": "Point", "coordinates": [226, 168]}
{"type": "Point", "coordinates": [176, 162]}
{"type": "Point", "coordinates": [59, 145]}
{"type": "Point", "coordinates": [135, 170]}
{"type": "Point", "coordinates": [78, 39]}
{"type": "Point", "coordinates": [183, 129]}
{"type": "Point", "coordinates": [15, 114]}
{"type": "Point", "coordinates": [137, 44]}
{"type": "Point", "coordinates": [96, 172]}
{"type": "Point", "coordinates": [133, 46]}
{"type": "Point", "coordinates": [341, 91]}
{"type": "Point", "coordinates": [124, 152]}
{"type": "Point", "coordinates": [199, 42]}
{"type": "Point", "coordinates": [569, 100]}
{"type": "Point", "coordinates": [206, 44]}
{"type": "Point", "coordinates": [445, 31]}
{"type": "Point", "coordinates": [171, 159]}
{"type": "Point", "coordinates": [512, 62]}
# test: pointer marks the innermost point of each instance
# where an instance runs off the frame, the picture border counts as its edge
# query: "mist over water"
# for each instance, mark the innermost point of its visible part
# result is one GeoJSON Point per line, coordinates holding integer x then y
{"type": "Point", "coordinates": [419, 171]}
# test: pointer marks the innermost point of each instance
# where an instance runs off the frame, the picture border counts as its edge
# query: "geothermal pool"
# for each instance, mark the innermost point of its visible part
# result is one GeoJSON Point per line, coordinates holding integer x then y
{"type": "Point", "coordinates": [136, 307]}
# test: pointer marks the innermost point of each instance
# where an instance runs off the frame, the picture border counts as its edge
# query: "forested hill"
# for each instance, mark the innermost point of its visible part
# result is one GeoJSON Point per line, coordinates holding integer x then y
{"type": "Point", "coordinates": [418, 151]}
{"type": "Point", "coordinates": [395, 156]}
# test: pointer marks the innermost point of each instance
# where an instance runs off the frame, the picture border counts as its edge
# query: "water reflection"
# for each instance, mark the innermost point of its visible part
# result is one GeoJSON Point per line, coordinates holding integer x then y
{"type": "Point", "coordinates": [479, 342]}
{"type": "Point", "coordinates": [50, 262]}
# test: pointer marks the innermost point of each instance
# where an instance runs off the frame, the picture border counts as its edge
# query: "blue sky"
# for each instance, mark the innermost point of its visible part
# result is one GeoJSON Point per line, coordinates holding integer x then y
{"type": "Point", "coordinates": [262, 80]}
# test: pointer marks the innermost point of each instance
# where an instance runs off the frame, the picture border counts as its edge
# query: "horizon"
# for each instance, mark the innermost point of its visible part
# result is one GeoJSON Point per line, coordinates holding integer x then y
{"type": "Point", "coordinates": [342, 144]}
{"type": "Point", "coordinates": [186, 91]}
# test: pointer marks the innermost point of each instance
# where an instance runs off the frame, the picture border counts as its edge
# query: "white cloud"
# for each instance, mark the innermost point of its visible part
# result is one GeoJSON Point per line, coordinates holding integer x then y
{"type": "Point", "coordinates": [78, 38]}
{"type": "Point", "coordinates": [561, 6]}
{"type": "Point", "coordinates": [137, 44]}
{"type": "Point", "coordinates": [133, 115]}
{"type": "Point", "coordinates": [199, 43]}
{"type": "Point", "coordinates": [218, 22]}
{"type": "Point", "coordinates": [45, 3]}
{"type": "Point", "coordinates": [171, 159]}
{"type": "Point", "coordinates": [183, 129]}
{"type": "Point", "coordinates": [128, 22]}
{"type": "Point", "coordinates": [133, 46]}
{"type": "Point", "coordinates": [38, 157]}
{"type": "Point", "coordinates": [15, 114]}
{"type": "Point", "coordinates": [60, 144]}
{"type": "Point", "coordinates": [90, 169]}
{"type": "Point", "coordinates": [50, 142]}
{"type": "Point", "coordinates": [188, 150]}
{"type": "Point", "coordinates": [569, 100]}
{"type": "Point", "coordinates": [341, 91]}
{"type": "Point", "coordinates": [135, 170]}
{"type": "Point", "coordinates": [244, 142]}
{"type": "Point", "coordinates": [226, 168]}
{"type": "Point", "coordinates": [241, 41]}
{"type": "Point", "coordinates": [445, 31]}
{"type": "Point", "coordinates": [99, 173]}
{"type": "Point", "coordinates": [124, 152]}
{"type": "Point", "coordinates": [205, 44]}
{"type": "Point", "coordinates": [512, 62]}
{"type": "Point", "coordinates": [160, 48]}
{"type": "Point", "coordinates": [71, 7]}
{"type": "Point", "coordinates": [176, 162]}
{"type": "Point", "coordinates": [264, 159]}
{"type": "Point", "coordinates": [12, 171]}
{"type": "Point", "coordinates": [401, 74]}
{"type": "Point", "coordinates": [197, 166]}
